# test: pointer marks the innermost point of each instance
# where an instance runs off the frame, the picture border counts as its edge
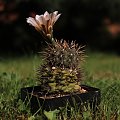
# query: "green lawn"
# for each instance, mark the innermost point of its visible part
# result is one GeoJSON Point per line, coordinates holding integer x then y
{"type": "Point", "coordinates": [101, 70]}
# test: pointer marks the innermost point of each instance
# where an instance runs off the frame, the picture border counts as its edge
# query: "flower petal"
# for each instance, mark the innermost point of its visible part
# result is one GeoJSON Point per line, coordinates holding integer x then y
{"type": "Point", "coordinates": [32, 21]}
{"type": "Point", "coordinates": [55, 13]}
{"type": "Point", "coordinates": [56, 18]}
{"type": "Point", "coordinates": [46, 15]}
{"type": "Point", "coordinates": [39, 19]}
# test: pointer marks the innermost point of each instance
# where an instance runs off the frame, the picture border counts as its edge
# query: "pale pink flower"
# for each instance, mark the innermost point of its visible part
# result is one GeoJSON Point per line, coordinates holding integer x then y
{"type": "Point", "coordinates": [44, 23]}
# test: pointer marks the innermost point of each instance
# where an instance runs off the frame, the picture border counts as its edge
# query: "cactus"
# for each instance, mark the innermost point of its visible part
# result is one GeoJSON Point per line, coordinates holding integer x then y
{"type": "Point", "coordinates": [61, 71]}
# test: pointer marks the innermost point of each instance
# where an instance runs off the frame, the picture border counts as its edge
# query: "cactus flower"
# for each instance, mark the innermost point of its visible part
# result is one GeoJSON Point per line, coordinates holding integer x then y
{"type": "Point", "coordinates": [44, 23]}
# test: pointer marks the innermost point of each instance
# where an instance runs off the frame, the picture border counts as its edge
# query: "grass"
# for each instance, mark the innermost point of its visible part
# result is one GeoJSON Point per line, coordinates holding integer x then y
{"type": "Point", "coordinates": [24, 66]}
{"type": "Point", "coordinates": [101, 71]}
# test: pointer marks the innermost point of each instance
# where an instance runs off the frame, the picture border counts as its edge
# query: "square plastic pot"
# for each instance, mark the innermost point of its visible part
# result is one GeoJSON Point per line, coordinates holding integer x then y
{"type": "Point", "coordinates": [32, 95]}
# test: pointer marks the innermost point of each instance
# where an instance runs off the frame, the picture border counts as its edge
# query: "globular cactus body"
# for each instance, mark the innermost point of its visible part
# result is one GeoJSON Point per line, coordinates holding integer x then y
{"type": "Point", "coordinates": [61, 71]}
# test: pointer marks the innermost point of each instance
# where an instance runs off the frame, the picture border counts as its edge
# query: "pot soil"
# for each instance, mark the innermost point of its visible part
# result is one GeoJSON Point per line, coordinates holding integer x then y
{"type": "Point", "coordinates": [38, 100]}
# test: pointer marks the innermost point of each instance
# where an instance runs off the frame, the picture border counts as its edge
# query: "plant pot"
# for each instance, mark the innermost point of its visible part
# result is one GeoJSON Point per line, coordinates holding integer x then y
{"type": "Point", "coordinates": [31, 95]}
